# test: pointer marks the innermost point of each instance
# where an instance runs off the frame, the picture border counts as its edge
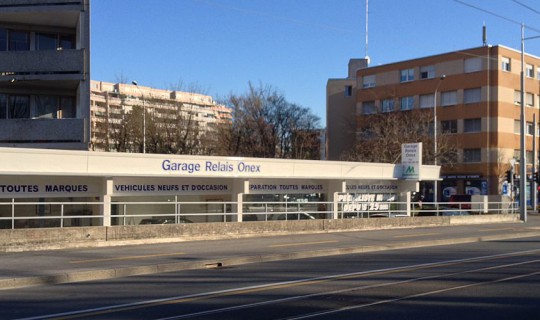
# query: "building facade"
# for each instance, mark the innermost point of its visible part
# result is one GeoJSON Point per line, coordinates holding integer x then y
{"type": "Point", "coordinates": [193, 115]}
{"type": "Point", "coordinates": [44, 74]}
{"type": "Point", "coordinates": [477, 98]}
{"type": "Point", "coordinates": [53, 188]}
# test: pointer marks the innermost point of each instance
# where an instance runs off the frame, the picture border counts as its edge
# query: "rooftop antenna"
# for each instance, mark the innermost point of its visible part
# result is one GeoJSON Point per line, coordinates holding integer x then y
{"type": "Point", "coordinates": [484, 34]}
{"type": "Point", "coordinates": [367, 33]}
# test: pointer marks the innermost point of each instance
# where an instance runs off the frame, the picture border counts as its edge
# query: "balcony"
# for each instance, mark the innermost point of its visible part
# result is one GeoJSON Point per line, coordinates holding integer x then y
{"type": "Point", "coordinates": [23, 131]}
{"type": "Point", "coordinates": [34, 63]}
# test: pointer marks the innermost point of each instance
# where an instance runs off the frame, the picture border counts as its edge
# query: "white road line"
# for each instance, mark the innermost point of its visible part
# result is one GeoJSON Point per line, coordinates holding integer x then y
{"type": "Point", "coordinates": [380, 285]}
{"type": "Point", "coordinates": [142, 304]}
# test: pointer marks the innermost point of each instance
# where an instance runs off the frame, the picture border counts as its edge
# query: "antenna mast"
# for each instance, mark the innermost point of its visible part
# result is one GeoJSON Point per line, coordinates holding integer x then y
{"type": "Point", "coordinates": [367, 17]}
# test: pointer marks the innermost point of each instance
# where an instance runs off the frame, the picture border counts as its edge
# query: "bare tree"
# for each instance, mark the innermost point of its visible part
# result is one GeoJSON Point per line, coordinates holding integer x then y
{"type": "Point", "coordinates": [380, 136]}
{"type": "Point", "coordinates": [266, 125]}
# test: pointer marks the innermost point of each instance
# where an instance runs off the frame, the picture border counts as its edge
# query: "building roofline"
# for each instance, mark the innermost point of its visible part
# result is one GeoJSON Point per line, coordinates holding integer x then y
{"type": "Point", "coordinates": [448, 53]}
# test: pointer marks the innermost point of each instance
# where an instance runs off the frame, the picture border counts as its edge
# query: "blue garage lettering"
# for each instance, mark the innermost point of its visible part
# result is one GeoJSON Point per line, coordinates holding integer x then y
{"type": "Point", "coordinates": [18, 188]}
{"type": "Point", "coordinates": [168, 165]}
{"type": "Point", "coordinates": [219, 166]}
{"type": "Point", "coordinates": [66, 188]}
{"type": "Point", "coordinates": [244, 167]}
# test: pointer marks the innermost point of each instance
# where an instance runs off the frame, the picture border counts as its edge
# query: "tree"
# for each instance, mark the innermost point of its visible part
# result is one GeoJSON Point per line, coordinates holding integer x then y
{"type": "Point", "coordinates": [380, 136]}
{"type": "Point", "coordinates": [266, 125]}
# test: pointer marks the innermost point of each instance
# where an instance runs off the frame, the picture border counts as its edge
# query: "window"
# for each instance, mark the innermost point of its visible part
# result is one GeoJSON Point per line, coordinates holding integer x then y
{"type": "Point", "coordinates": [407, 103]}
{"type": "Point", "coordinates": [529, 70]}
{"type": "Point", "coordinates": [427, 72]}
{"type": "Point", "coordinates": [538, 72]}
{"type": "Point", "coordinates": [472, 95]}
{"type": "Point", "coordinates": [348, 91]}
{"type": "Point", "coordinates": [406, 75]}
{"type": "Point", "coordinates": [529, 156]}
{"type": "Point", "coordinates": [529, 128]}
{"type": "Point", "coordinates": [368, 107]}
{"type": "Point", "coordinates": [368, 81]}
{"type": "Point", "coordinates": [517, 127]}
{"type": "Point", "coordinates": [46, 107]}
{"type": "Point", "coordinates": [3, 106]}
{"type": "Point", "coordinates": [67, 107]}
{"type": "Point", "coordinates": [505, 64]}
{"type": "Point", "coordinates": [426, 101]}
{"type": "Point", "coordinates": [3, 39]}
{"type": "Point", "coordinates": [18, 107]}
{"type": "Point", "coordinates": [529, 99]}
{"type": "Point", "coordinates": [66, 41]}
{"type": "Point", "coordinates": [448, 98]}
{"type": "Point", "coordinates": [517, 97]}
{"type": "Point", "coordinates": [472, 155]}
{"type": "Point", "coordinates": [388, 105]}
{"type": "Point", "coordinates": [473, 65]}
{"type": "Point", "coordinates": [449, 126]}
{"type": "Point", "coordinates": [46, 41]}
{"type": "Point", "coordinates": [18, 40]}
{"type": "Point", "coordinates": [472, 125]}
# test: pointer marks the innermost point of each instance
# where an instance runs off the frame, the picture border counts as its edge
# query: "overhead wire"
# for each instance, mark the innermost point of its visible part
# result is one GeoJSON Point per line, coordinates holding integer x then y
{"type": "Point", "coordinates": [497, 15]}
{"type": "Point", "coordinates": [526, 6]}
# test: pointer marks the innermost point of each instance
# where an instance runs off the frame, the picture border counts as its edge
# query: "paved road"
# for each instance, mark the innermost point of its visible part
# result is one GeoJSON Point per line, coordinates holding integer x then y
{"type": "Point", "coordinates": [62, 266]}
{"type": "Point", "coordinates": [481, 280]}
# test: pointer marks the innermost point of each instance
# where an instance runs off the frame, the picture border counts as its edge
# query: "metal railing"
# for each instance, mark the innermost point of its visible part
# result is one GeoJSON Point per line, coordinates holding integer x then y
{"type": "Point", "coordinates": [16, 215]}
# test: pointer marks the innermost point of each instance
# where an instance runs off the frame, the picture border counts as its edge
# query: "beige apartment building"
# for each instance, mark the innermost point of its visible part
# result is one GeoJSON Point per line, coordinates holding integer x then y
{"type": "Point", "coordinates": [477, 107]}
{"type": "Point", "coordinates": [111, 102]}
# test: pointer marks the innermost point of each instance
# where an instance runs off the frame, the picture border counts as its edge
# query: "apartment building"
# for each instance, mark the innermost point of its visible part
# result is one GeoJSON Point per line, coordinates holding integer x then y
{"type": "Point", "coordinates": [44, 74]}
{"type": "Point", "coordinates": [194, 114]}
{"type": "Point", "coordinates": [477, 94]}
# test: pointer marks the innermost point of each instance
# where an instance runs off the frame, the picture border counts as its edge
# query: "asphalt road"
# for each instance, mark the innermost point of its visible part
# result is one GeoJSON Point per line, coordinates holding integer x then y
{"type": "Point", "coordinates": [63, 266]}
{"type": "Point", "coordinates": [481, 280]}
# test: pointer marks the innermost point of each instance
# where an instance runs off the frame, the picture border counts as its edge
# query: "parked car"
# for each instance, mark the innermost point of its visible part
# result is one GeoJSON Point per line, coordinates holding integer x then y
{"type": "Point", "coordinates": [291, 216]}
{"type": "Point", "coordinates": [461, 201]}
{"type": "Point", "coordinates": [164, 221]}
{"type": "Point", "coordinates": [455, 213]}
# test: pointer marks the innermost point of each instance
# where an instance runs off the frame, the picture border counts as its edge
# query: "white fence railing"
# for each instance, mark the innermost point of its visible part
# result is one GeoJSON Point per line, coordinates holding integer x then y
{"type": "Point", "coordinates": [15, 215]}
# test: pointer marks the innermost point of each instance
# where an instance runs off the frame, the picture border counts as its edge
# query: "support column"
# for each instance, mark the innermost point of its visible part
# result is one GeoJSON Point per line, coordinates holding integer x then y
{"type": "Point", "coordinates": [240, 187]}
{"type": "Point", "coordinates": [334, 188]}
{"type": "Point", "coordinates": [106, 202]}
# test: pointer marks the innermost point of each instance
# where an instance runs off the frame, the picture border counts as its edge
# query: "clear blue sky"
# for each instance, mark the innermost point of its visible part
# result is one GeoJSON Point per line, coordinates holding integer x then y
{"type": "Point", "coordinates": [294, 46]}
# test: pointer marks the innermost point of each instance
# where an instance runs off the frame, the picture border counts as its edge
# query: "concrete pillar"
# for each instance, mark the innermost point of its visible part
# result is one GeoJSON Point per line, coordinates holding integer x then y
{"type": "Point", "coordinates": [106, 202]}
{"type": "Point", "coordinates": [334, 188]}
{"type": "Point", "coordinates": [240, 188]}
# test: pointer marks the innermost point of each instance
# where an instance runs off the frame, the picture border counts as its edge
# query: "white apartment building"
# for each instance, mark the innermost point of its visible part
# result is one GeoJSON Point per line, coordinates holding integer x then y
{"type": "Point", "coordinates": [112, 103]}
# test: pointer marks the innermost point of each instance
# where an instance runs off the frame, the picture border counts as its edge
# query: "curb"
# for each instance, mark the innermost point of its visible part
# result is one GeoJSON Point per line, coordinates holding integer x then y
{"type": "Point", "coordinates": [104, 274]}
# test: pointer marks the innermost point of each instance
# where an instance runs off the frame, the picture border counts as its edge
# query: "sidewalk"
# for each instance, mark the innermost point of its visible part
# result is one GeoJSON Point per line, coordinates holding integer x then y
{"type": "Point", "coordinates": [26, 269]}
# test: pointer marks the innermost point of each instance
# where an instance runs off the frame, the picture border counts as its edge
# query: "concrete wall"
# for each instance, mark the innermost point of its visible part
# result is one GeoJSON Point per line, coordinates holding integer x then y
{"type": "Point", "coordinates": [58, 238]}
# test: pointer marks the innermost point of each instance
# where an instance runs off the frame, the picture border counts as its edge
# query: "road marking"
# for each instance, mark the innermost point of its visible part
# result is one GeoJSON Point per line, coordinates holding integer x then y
{"type": "Point", "coordinates": [264, 287]}
{"type": "Point", "coordinates": [301, 244]}
{"type": "Point", "coordinates": [498, 229]}
{"type": "Point", "coordinates": [417, 235]}
{"type": "Point", "coordinates": [413, 296]}
{"type": "Point", "coordinates": [379, 285]}
{"type": "Point", "coordinates": [128, 257]}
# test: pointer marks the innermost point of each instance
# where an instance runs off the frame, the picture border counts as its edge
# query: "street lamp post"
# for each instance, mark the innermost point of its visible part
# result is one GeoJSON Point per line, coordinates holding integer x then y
{"type": "Point", "coordinates": [144, 115]}
{"type": "Point", "coordinates": [522, 151]}
{"type": "Point", "coordinates": [435, 184]}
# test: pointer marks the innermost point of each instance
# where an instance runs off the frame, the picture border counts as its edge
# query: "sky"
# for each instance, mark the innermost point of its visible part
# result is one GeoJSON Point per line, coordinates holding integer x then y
{"type": "Point", "coordinates": [218, 47]}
